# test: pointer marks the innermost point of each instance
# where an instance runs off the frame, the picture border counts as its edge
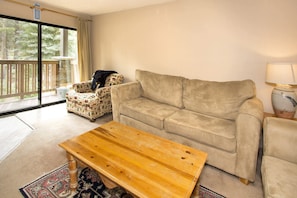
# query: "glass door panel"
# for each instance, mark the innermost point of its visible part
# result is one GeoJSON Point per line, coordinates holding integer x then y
{"type": "Point", "coordinates": [18, 65]}
{"type": "Point", "coordinates": [59, 62]}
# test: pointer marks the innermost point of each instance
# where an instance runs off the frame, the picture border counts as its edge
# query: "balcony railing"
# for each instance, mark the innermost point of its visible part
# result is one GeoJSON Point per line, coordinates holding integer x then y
{"type": "Point", "coordinates": [19, 78]}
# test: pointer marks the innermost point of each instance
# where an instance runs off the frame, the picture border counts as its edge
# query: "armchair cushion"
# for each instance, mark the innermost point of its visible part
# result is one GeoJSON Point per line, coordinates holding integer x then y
{"type": "Point", "coordinates": [280, 138]}
{"type": "Point", "coordinates": [279, 162]}
{"type": "Point", "coordinates": [279, 178]}
{"type": "Point", "coordinates": [82, 99]}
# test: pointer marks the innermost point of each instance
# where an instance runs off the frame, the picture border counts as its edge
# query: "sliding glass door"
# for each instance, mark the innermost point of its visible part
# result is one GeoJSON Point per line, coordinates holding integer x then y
{"type": "Point", "coordinates": [37, 63]}
{"type": "Point", "coordinates": [59, 62]}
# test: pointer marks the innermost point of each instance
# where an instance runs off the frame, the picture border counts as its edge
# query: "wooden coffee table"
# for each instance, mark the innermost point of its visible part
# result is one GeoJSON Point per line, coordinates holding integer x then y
{"type": "Point", "coordinates": [144, 164]}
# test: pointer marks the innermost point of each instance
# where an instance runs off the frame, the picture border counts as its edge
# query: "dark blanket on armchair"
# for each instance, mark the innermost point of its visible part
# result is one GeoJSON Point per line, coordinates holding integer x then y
{"type": "Point", "coordinates": [99, 77]}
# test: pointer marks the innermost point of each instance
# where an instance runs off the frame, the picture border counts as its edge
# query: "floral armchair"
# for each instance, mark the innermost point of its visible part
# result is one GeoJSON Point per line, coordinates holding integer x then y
{"type": "Point", "coordinates": [90, 104]}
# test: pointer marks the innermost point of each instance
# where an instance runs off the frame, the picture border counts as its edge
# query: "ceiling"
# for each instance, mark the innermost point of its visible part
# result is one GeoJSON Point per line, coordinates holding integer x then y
{"type": "Point", "coordinates": [96, 7]}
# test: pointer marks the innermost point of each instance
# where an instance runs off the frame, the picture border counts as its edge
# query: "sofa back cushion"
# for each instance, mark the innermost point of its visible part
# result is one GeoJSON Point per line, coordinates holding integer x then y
{"type": "Point", "coordinates": [161, 88]}
{"type": "Point", "coordinates": [220, 99]}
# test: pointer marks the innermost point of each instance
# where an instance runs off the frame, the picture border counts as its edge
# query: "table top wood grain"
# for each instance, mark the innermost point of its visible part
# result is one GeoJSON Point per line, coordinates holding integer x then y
{"type": "Point", "coordinates": [144, 164]}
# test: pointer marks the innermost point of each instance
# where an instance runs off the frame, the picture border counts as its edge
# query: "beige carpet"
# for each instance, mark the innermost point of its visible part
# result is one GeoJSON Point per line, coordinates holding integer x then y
{"type": "Point", "coordinates": [39, 153]}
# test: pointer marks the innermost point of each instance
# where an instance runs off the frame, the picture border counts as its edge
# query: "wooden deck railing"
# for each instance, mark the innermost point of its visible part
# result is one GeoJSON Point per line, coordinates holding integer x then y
{"type": "Point", "coordinates": [19, 78]}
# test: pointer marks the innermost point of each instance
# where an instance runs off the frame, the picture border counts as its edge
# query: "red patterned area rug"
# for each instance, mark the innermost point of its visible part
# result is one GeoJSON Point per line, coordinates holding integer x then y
{"type": "Point", "coordinates": [56, 185]}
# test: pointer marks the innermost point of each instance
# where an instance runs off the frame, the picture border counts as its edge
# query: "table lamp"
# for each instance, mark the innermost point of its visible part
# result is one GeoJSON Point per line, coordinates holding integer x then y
{"type": "Point", "coordinates": [283, 96]}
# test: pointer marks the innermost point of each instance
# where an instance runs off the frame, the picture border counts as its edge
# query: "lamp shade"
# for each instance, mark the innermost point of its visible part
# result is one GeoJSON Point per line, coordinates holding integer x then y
{"type": "Point", "coordinates": [281, 73]}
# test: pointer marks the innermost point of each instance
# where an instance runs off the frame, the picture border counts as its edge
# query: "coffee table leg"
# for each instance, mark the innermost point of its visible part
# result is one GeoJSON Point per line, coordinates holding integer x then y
{"type": "Point", "coordinates": [195, 193]}
{"type": "Point", "coordinates": [72, 172]}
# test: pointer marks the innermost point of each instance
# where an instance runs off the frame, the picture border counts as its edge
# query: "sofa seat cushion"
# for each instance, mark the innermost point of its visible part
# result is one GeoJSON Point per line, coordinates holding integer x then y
{"type": "Point", "coordinates": [147, 111]}
{"type": "Point", "coordinates": [279, 177]}
{"type": "Point", "coordinates": [88, 99]}
{"type": "Point", "coordinates": [217, 132]}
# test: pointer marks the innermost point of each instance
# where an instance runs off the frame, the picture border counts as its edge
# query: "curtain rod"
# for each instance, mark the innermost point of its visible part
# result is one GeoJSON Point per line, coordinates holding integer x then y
{"type": "Point", "coordinates": [43, 9]}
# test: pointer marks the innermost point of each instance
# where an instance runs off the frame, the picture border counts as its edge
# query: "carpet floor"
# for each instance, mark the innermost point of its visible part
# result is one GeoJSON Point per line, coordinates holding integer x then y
{"type": "Point", "coordinates": [13, 131]}
{"type": "Point", "coordinates": [39, 153]}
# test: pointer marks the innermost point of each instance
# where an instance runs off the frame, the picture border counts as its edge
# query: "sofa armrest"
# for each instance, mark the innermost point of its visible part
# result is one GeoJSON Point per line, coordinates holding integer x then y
{"type": "Point", "coordinates": [280, 138]}
{"type": "Point", "coordinates": [121, 93]}
{"type": "Point", "coordinates": [82, 87]}
{"type": "Point", "coordinates": [252, 107]}
{"type": "Point", "coordinates": [248, 130]}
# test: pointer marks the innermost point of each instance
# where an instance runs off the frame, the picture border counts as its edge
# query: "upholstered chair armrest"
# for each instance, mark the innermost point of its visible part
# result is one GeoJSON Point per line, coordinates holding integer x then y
{"type": "Point", "coordinates": [103, 92]}
{"type": "Point", "coordinates": [280, 138]}
{"type": "Point", "coordinates": [248, 130]}
{"type": "Point", "coordinates": [123, 92]}
{"type": "Point", "coordinates": [82, 87]}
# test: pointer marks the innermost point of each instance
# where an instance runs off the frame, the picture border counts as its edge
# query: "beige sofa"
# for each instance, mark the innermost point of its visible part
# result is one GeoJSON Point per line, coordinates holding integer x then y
{"type": "Point", "coordinates": [279, 162]}
{"type": "Point", "coordinates": [223, 119]}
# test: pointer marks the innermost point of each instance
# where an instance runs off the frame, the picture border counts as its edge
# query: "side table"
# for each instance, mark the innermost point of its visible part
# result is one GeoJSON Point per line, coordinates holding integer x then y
{"type": "Point", "coordinates": [273, 115]}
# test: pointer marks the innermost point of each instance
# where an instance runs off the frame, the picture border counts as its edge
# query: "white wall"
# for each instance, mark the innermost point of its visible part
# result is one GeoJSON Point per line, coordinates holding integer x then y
{"type": "Point", "coordinates": [212, 40]}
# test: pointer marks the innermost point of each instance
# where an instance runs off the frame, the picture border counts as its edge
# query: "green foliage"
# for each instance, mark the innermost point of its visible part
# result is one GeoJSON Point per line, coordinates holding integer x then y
{"type": "Point", "coordinates": [72, 43]}
{"type": "Point", "coordinates": [8, 35]}
{"type": "Point", "coordinates": [19, 41]}
{"type": "Point", "coordinates": [27, 42]}
{"type": "Point", "coordinates": [50, 42]}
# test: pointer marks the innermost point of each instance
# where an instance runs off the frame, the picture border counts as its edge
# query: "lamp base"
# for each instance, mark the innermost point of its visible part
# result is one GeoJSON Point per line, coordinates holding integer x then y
{"type": "Point", "coordinates": [284, 114]}
{"type": "Point", "coordinates": [284, 102]}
